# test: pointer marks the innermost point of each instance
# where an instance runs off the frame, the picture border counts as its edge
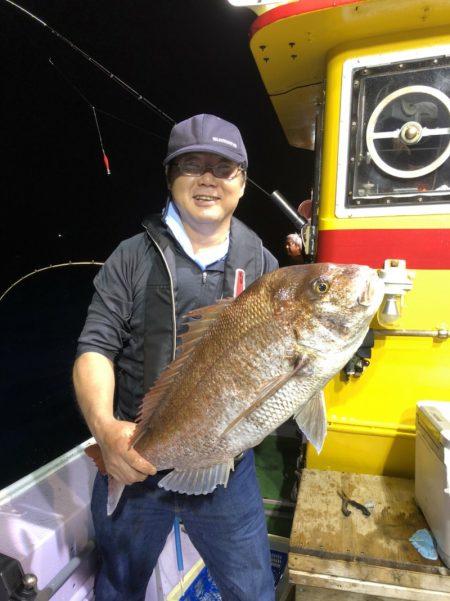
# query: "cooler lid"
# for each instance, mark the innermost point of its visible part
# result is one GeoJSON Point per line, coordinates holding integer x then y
{"type": "Point", "coordinates": [434, 417]}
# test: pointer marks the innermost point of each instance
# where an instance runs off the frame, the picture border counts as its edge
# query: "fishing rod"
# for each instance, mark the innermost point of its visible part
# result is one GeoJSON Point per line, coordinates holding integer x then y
{"type": "Point", "coordinates": [96, 64]}
{"type": "Point", "coordinates": [298, 221]}
{"type": "Point", "coordinates": [48, 268]}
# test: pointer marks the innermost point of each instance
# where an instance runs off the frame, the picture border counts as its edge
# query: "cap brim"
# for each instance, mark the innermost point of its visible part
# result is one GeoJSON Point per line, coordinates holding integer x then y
{"type": "Point", "coordinates": [228, 153]}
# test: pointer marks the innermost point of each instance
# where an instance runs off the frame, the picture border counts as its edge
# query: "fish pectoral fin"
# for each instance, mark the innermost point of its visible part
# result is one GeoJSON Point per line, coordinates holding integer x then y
{"type": "Point", "coordinates": [268, 389]}
{"type": "Point", "coordinates": [198, 481]}
{"type": "Point", "coordinates": [311, 418]}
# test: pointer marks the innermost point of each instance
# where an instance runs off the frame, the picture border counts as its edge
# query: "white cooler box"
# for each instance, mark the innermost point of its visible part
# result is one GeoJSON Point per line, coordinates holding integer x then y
{"type": "Point", "coordinates": [432, 481]}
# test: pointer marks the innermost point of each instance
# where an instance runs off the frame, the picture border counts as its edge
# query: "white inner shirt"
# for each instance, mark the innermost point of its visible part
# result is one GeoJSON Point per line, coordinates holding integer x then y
{"type": "Point", "coordinates": [203, 257]}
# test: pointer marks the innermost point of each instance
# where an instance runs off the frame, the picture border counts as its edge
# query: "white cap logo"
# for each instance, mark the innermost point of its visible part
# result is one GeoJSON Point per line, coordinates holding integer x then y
{"type": "Point", "coordinates": [224, 141]}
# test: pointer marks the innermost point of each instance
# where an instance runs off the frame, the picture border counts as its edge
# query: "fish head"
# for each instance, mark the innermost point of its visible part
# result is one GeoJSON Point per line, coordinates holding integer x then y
{"type": "Point", "coordinates": [329, 304]}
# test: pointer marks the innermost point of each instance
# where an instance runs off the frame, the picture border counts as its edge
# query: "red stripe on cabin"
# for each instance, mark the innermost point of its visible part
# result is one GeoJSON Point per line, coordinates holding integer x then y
{"type": "Point", "coordinates": [421, 249]}
{"type": "Point", "coordinates": [295, 8]}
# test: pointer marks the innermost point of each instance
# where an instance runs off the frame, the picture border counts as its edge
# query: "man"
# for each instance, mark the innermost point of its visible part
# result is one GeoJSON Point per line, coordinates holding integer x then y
{"type": "Point", "coordinates": [294, 247]}
{"type": "Point", "coordinates": [192, 255]}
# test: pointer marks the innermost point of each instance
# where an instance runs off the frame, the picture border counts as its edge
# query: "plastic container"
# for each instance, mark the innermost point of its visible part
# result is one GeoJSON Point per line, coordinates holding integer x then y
{"type": "Point", "coordinates": [432, 488]}
{"type": "Point", "coordinates": [199, 586]}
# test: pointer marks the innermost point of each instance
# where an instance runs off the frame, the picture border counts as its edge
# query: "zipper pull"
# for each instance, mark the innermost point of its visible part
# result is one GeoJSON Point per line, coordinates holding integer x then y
{"type": "Point", "coordinates": [239, 282]}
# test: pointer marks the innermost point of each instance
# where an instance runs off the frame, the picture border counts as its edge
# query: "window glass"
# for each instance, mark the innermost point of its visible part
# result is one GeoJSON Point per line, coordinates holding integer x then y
{"type": "Point", "coordinates": [400, 135]}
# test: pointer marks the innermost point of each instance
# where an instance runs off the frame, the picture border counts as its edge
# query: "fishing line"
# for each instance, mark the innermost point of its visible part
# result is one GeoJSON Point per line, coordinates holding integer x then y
{"type": "Point", "coordinates": [275, 196]}
{"type": "Point", "coordinates": [78, 91]}
{"type": "Point", "coordinates": [99, 110]}
{"type": "Point", "coordinates": [99, 66]}
{"type": "Point", "coordinates": [69, 81]}
{"type": "Point", "coordinates": [300, 87]}
{"type": "Point", "coordinates": [105, 158]}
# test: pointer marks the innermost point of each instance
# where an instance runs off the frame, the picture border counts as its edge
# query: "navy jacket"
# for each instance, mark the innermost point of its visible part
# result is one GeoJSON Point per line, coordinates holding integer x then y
{"type": "Point", "coordinates": [141, 294]}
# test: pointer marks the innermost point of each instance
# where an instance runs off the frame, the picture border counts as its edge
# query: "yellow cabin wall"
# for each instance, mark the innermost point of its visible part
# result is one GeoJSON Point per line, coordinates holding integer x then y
{"type": "Point", "coordinates": [372, 418]}
{"type": "Point", "coordinates": [300, 59]}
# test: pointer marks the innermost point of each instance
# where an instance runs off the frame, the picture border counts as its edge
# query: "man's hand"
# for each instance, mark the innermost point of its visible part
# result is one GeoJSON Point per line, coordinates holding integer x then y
{"type": "Point", "coordinates": [123, 463]}
{"type": "Point", "coordinates": [94, 381]}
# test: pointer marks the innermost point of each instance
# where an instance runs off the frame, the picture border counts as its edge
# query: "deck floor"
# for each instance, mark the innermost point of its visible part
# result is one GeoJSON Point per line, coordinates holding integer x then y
{"type": "Point", "coordinates": [364, 556]}
{"type": "Point", "coordinates": [303, 594]}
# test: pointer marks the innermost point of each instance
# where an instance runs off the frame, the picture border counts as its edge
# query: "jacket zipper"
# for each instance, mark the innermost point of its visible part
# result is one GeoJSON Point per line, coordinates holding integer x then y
{"type": "Point", "coordinates": [172, 294]}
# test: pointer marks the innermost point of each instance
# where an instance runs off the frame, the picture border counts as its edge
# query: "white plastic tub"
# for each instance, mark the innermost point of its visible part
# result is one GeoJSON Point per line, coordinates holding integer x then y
{"type": "Point", "coordinates": [432, 481]}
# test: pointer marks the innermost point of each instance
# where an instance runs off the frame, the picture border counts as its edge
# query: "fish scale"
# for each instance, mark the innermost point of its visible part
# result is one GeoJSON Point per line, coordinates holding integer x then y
{"type": "Point", "coordinates": [228, 352]}
{"type": "Point", "coordinates": [264, 357]}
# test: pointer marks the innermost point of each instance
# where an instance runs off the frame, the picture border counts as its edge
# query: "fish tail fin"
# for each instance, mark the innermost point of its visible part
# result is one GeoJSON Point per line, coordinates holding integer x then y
{"type": "Point", "coordinates": [198, 481]}
{"type": "Point", "coordinates": [311, 418]}
{"type": "Point", "coordinates": [95, 453]}
{"type": "Point", "coordinates": [115, 490]}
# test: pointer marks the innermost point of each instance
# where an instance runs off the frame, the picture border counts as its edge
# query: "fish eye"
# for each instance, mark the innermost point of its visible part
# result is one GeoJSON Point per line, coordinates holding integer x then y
{"type": "Point", "coordinates": [321, 287]}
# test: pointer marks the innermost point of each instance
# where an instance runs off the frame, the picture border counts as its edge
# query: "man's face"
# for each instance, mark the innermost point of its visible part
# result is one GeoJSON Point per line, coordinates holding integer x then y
{"type": "Point", "coordinates": [205, 200]}
{"type": "Point", "coordinates": [292, 248]}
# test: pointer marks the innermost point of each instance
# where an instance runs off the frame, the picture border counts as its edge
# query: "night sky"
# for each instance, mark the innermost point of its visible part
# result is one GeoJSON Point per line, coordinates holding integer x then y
{"type": "Point", "coordinates": [185, 57]}
{"type": "Point", "coordinates": [59, 205]}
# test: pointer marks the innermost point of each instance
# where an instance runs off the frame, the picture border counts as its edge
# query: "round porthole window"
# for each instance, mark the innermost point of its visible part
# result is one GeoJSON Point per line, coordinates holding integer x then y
{"type": "Point", "coordinates": [408, 132]}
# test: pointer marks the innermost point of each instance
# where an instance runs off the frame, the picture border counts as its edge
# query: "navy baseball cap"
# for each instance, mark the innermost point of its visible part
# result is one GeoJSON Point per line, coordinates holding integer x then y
{"type": "Point", "coordinates": [206, 133]}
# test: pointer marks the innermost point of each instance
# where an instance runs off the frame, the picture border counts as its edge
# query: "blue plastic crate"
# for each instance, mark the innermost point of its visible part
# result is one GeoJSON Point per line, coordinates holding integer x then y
{"type": "Point", "coordinates": [279, 561]}
{"type": "Point", "coordinates": [204, 589]}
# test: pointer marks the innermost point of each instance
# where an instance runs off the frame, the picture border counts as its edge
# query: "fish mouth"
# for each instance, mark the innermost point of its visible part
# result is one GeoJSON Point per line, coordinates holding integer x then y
{"type": "Point", "coordinates": [372, 291]}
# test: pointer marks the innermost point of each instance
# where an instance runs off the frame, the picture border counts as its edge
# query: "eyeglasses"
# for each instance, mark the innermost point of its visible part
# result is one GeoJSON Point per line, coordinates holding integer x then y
{"type": "Point", "coordinates": [195, 167]}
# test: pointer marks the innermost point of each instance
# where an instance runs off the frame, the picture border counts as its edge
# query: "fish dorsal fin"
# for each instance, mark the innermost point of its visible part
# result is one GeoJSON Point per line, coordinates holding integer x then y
{"type": "Point", "coordinates": [268, 389]}
{"type": "Point", "coordinates": [198, 481]}
{"type": "Point", "coordinates": [311, 418]}
{"type": "Point", "coordinates": [205, 317]}
{"type": "Point", "coordinates": [154, 396]}
{"type": "Point", "coordinates": [210, 310]}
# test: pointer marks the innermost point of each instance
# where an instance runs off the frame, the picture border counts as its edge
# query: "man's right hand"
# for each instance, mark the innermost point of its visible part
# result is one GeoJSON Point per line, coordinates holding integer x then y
{"type": "Point", "coordinates": [123, 463]}
{"type": "Point", "coordinates": [94, 381]}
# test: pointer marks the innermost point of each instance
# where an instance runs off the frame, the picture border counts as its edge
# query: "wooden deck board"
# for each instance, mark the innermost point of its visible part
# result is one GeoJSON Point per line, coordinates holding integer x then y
{"type": "Point", "coordinates": [358, 553]}
{"type": "Point", "coordinates": [314, 594]}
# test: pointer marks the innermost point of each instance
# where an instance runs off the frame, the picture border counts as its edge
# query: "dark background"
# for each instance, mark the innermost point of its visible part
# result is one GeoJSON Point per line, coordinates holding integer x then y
{"type": "Point", "coordinates": [59, 205]}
